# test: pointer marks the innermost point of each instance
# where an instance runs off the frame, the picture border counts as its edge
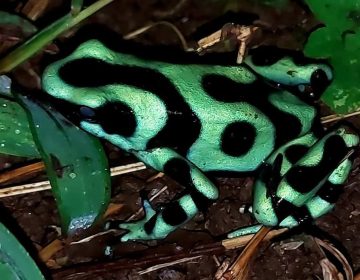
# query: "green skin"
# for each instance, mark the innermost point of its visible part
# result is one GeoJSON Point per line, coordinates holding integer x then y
{"type": "Point", "coordinates": [215, 132]}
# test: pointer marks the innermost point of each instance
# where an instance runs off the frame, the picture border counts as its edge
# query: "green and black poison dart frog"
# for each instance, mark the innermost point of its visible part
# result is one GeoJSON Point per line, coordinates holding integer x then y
{"type": "Point", "coordinates": [188, 120]}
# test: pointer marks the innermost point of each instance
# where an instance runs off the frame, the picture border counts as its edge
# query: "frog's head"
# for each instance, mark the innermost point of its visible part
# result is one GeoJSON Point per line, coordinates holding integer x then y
{"type": "Point", "coordinates": [307, 78]}
{"type": "Point", "coordinates": [80, 95]}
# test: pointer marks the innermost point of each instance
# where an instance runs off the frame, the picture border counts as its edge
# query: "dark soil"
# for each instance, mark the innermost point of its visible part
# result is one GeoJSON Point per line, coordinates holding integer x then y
{"type": "Point", "coordinates": [281, 259]}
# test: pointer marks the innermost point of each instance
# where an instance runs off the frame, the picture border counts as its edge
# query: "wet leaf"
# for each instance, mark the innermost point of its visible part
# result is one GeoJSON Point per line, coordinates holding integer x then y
{"type": "Point", "coordinates": [15, 262]}
{"type": "Point", "coordinates": [16, 137]}
{"type": "Point", "coordinates": [339, 41]}
{"type": "Point", "coordinates": [76, 166]}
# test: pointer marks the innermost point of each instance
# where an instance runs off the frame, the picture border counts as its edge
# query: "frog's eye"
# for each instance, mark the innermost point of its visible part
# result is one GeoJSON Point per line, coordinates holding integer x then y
{"type": "Point", "coordinates": [319, 81]}
{"type": "Point", "coordinates": [87, 113]}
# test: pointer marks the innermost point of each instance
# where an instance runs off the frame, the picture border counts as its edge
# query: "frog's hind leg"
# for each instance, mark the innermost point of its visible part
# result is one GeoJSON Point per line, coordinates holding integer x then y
{"type": "Point", "coordinates": [322, 203]}
{"type": "Point", "coordinates": [326, 197]}
{"type": "Point", "coordinates": [308, 186]}
{"type": "Point", "coordinates": [200, 192]}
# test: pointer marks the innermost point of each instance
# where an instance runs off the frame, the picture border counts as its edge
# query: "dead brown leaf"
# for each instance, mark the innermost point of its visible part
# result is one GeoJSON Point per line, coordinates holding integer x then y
{"type": "Point", "coordinates": [330, 269]}
{"type": "Point", "coordinates": [51, 249]}
{"type": "Point", "coordinates": [113, 209]}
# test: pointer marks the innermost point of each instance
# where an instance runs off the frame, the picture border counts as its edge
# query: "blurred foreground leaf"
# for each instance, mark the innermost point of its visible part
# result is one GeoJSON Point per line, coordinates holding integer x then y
{"type": "Point", "coordinates": [15, 20]}
{"type": "Point", "coordinates": [45, 36]}
{"type": "Point", "coordinates": [76, 166]}
{"type": "Point", "coordinates": [15, 262]}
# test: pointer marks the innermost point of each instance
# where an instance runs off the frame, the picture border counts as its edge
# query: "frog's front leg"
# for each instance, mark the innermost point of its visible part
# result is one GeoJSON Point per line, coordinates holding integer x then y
{"type": "Point", "coordinates": [200, 192]}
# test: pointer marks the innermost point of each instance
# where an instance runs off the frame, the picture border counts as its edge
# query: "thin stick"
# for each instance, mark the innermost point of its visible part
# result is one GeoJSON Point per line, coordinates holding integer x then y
{"type": "Point", "coordinates": [45, 185]}
{"type": "Point", "coordinates": [82, 271]}
{"type": "Point", "coordinates": [168, 13]}
{"type": "Point", "coordinates": [10, 175]}
{"type": "Point", "coordinates": [335, 117]}
{"type": "Point", "coordinates": [145, 28]}
{"type": "Point", "coordinates": [163, 265]}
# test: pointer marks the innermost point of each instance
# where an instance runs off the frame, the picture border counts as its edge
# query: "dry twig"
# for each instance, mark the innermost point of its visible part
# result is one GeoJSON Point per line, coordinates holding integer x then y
{"type": "Point", "coordinates": [240, 267]}
{"type": "Point", "coordinates": [149, 26]}
{"type": "Point", "coordinates": [172, 11]}
{"type": "Point", "coordinates": [12, 175]}
{"type": "Point", "coordinates": [163, 265]}
{"type": "Point", "coordinates": [45, 185]}
{"type": "Point", "coordinates": [82, 271]}
{"type": "Point", "coordinates": [335, 117]}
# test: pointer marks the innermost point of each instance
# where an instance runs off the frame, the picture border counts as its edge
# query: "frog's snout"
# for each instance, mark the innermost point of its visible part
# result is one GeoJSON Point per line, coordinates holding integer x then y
{"type": "Point", "coordinates": [73, 112]}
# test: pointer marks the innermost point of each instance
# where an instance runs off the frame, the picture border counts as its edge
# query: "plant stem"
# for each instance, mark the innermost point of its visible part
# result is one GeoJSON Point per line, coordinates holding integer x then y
{"type": "Point", "coordinates": [44, 37]}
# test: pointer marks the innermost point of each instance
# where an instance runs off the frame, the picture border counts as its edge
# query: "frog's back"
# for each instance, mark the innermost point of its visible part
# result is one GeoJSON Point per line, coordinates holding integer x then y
{"type": "Point", "coordinates": [222, 118]}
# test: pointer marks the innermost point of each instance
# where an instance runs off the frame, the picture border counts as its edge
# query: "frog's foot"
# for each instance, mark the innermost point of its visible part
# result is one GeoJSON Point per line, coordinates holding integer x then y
{"type": "Point", "coordinates": [150, 227]}
{"type": "Point", "coordinates": [140, 229]}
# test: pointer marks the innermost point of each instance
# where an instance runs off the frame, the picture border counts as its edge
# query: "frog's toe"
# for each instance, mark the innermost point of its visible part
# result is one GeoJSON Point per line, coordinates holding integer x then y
{"type": "Point", "coordinates": [138, 230]}
{"type": "Point", "coordinates": [135, 231]}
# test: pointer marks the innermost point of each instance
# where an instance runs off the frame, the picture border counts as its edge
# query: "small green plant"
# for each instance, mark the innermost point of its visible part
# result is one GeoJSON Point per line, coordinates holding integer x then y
{"type": "Point", "coordinates": [338, 41]}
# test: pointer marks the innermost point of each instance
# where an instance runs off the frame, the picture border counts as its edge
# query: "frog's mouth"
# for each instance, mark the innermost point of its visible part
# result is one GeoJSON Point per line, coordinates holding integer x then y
{"type": "Point", "coordinates": [71, 111]}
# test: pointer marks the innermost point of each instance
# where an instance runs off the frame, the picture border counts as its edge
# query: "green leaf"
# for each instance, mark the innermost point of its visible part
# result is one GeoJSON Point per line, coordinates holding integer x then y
{"type": "Point", "coordinates": [11, 19]}
{"type": "Point", "coordinates": [15, 262]}
{"type": "Point", "coordinates": [76, 166]}
{"type": "Point", "coordinates": [338, 41]}
{"type": "Point", "coordinates": [76, 6]}
{"type": "Point", "coordinates": [16, 137]}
